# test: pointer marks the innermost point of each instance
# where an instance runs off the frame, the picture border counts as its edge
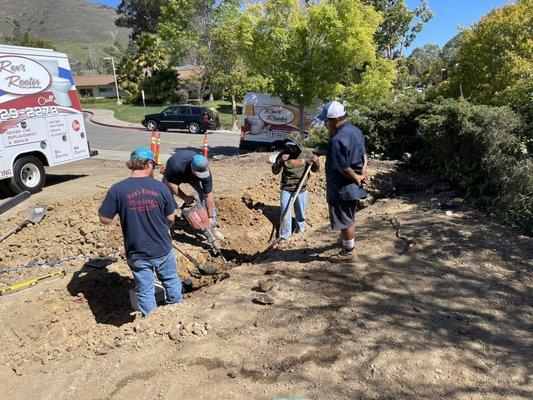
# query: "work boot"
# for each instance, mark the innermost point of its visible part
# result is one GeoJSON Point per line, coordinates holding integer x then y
{"type": "Point", "coordinates": [345, 255]}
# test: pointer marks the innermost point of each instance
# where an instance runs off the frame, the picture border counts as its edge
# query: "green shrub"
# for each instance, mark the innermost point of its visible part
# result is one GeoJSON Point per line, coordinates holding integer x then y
{"type": "Point", "coordinates": [97, 100]}
{"type": "Point", "coordinates": [391, 129]}
{"type": "Point", "coordinates": [483, 150]}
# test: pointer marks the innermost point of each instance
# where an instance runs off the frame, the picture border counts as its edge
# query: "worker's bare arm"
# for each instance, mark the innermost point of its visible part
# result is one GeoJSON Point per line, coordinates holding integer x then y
{"type": "Point", "coordinates": [104, 220]}
{"type": "Point", "coordinates": [175, 189]}
{"type": "Point", "coordinates": [170, 220]}
{"type": "Point", "coordinates": [350, 174]}
{"type": "Point", "coordinates": [210, 204]}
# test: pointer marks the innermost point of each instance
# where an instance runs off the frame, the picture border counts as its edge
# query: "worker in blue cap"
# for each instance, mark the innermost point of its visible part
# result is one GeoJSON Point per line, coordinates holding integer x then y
{"type": "Point", "coordinates": [186, 166]}
{"type": "Point", "coordinates": [146, 209]}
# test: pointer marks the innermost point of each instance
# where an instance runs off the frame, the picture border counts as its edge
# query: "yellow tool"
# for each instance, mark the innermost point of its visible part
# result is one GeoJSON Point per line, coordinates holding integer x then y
{"type": "Point", "coordinates": [30, 282]}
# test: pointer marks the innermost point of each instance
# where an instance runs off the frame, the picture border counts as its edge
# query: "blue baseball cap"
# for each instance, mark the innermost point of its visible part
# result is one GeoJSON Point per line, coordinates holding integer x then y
{"type": "Point", "coordinates": [332, 109]}
{"type": "Point", "coordinates": [200, 166]}
{"type": "Point", "coordinates": [142, 152]}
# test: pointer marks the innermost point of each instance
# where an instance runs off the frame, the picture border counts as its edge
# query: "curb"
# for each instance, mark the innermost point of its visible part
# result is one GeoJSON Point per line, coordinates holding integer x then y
{"type": "Point", "coordinates": [94, 121]}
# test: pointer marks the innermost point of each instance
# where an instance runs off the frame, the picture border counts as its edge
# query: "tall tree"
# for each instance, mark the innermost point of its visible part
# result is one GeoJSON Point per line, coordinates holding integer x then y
{"type": "Point", "coordinates": [305, 51]}
{"type": "Point", "coordinates": [228, 67]}
{"type": "Point", "coordinates": [140, 15]}
{"type": "Point", "coordinates": [427, 65]}
{"type": "Point", "coordinates": [150, 54]}
{"type": "Point", "coordinates": [400, 25]}
{"type": "Point", "coordinates": [187, 27]}
{"type": "Point", "coordinates": [495, 58]}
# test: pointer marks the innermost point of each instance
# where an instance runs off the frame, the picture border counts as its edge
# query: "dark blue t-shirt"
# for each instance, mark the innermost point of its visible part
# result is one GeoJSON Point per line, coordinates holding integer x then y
{"type": "Point", "coordinates": [142, 205]}
{"type": "Point", "coordinates": [346, 148]}
{"type": "Point", "coordinates": [179, 171]}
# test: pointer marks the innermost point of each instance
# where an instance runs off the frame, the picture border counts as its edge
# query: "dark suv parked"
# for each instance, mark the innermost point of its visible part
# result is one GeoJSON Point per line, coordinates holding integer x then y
{"type": "Point", "coordinates": [195, 119]}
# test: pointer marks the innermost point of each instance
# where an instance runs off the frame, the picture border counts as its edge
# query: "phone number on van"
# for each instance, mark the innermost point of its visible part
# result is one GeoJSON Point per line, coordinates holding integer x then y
{"type": "Point", "coordinates": [27, 112]}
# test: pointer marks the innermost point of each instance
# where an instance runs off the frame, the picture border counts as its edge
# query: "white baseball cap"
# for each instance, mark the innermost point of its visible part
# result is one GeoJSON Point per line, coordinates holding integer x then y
{"type": "Point", "coordinates": [332, 109]}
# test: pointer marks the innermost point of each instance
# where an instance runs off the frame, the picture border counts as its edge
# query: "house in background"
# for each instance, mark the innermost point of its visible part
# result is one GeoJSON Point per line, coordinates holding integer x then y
{"type": "Point", "coordinates": [96, 86]}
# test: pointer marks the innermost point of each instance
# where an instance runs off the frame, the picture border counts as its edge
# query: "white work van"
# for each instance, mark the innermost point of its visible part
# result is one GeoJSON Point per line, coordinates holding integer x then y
{"type": "Point", "coordinates": [41, 121]}
{"type": "Point", "coordinates": [266, 121]}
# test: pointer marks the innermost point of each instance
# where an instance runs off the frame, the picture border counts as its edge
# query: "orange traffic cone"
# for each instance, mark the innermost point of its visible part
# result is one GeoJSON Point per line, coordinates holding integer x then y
{"type": "Point", "coordinates": [206, 148]}
{"type": "Point", "coordinates": [155, 145]}
{"type": "Point", "coordinates": [157, 154]}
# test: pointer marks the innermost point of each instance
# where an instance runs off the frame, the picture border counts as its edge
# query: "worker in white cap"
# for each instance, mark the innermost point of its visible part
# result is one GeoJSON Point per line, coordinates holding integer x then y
{"type": "Point", "coordinates": [345, 174]}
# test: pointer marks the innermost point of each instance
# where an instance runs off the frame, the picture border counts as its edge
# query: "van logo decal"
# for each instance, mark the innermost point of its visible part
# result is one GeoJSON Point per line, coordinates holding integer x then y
{"type": "Point", "coordinates": [276, 115]}
{"type": "Point", "coordinates": [21, 75]}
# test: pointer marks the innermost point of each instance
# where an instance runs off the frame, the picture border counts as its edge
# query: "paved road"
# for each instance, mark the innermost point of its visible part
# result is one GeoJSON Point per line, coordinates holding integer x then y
{"type": "Point", "coordinates": [115, 143]}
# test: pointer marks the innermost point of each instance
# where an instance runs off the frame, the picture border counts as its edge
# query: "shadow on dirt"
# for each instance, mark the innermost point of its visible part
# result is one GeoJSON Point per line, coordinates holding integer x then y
{"type": "Point", "coordinates": [105, 292]}
{"type": "Point", "coordinates": [460, 294]}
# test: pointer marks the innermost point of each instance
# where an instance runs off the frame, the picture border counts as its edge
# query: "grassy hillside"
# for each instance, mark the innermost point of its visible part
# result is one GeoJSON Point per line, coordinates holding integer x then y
{"type": "Point", "coordinates": [73, 26]}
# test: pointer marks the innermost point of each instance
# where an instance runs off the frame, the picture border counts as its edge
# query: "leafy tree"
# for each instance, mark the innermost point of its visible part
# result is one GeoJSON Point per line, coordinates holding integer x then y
{"type": "Point", "coordinates": [400, 25]}
{"type": "Point", "coordinates": [162, 87]}
{"type": "Point", "coordinates": [140, 15]}
{"type": "Point", "coordinates": [450, 49]}
{"type": "Point", "coordinates": [426, 64]}
{"type": "Point", "coordinates": [150, 53]}
{"type": "Point", "coordinates": [129, 76]}
{"type": "Point", "coordinates": [187, 25]}
{"type": "Point", "coordinates": [306, 51]}
{"type": "Point", "coordinates": [374, 86]}
{"type": "Point", "coordinates": [228, 67]}
{"type": "Point", "coordinates": [495, 59]}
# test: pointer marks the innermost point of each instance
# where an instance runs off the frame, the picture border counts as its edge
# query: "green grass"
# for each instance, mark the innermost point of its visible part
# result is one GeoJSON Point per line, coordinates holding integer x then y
{"type": "Point", "coordinates": [135, 114]}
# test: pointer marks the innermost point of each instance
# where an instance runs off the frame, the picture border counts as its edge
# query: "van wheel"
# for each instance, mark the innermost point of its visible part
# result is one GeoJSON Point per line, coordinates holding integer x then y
{"type": "Point", "coordinates": [151, 125]}
{"type": "Point", "coordinates": [194, 127]}
{"type": "Point", "coordinates": [28, 175]}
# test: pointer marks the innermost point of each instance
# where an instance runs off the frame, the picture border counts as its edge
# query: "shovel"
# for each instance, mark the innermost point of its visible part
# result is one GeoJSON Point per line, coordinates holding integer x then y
{"type": "Point", "coordinates": [35, 216]}
{"type": "Point", "coordinates": [208, 269]}
{"type": "Point", "coordinates": [291, 203]}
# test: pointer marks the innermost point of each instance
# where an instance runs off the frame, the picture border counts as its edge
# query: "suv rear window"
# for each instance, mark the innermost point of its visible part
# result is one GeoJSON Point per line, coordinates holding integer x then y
{"type": "Point", "coordinates": [197, 110]}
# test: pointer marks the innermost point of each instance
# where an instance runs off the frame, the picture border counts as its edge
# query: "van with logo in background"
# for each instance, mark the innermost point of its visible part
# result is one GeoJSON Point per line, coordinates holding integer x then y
{"type": "Point", "coordinates": [41, 120]}
{"type": "Point", "coordinates": [266, 122]}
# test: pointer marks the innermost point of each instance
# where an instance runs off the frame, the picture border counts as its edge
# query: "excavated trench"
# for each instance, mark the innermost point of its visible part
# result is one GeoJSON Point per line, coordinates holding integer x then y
{"type": "Point", "coordinates": [91, 309]}
{"type": "Point", "coordinates": [71, 236]}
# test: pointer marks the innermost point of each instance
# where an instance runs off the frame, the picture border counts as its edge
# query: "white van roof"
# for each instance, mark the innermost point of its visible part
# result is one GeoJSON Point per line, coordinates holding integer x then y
{"type": "Point", "coordinates": [30, 51]}
{"type": "Point", "coordinates": [261, 98]}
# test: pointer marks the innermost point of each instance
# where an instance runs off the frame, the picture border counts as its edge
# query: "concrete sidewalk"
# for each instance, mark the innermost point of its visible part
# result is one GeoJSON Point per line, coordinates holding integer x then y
{"type": "Point", "coordinates": [107, 118]}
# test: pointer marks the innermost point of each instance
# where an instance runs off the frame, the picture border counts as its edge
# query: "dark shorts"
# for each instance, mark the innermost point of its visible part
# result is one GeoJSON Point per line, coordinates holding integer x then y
{"type": "Point", "coordinates": [342, 214]}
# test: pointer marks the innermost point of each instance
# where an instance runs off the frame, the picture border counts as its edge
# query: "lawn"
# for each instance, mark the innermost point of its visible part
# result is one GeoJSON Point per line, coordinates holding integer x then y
{"type": "Point", "coordinates": [130, 113]}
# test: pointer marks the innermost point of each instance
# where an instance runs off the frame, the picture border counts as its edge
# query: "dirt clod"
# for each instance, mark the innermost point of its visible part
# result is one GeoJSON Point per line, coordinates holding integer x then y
{"type": "Point", "coordinates": [264, 286]}
{"type": "Point", "coordinates": [141, 327]}
{"type": "Point", "coordinates": [263, 299]}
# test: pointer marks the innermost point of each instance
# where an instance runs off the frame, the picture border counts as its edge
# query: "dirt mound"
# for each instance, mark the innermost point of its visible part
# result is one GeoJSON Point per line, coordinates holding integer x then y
{"type": "Point", "coordinates": [246, 227]}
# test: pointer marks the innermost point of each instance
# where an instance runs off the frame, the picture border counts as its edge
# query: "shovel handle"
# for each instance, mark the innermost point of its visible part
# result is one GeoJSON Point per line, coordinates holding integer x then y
{"type": "Point", "coordinates": [195, 263]}
{"type": "Point", "coordinates": [12, 231]}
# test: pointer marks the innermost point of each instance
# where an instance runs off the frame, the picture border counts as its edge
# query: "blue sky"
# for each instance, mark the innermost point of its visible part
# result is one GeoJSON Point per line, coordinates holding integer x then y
{"type": "Point", "coordinates": [449, 16]}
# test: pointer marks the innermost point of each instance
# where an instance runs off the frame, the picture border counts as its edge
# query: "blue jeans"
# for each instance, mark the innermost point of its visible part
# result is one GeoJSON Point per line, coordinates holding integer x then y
{"type": "Point", "coordinates": [299, 211]}
{"type": "Point", "coordinates": [143, 272]}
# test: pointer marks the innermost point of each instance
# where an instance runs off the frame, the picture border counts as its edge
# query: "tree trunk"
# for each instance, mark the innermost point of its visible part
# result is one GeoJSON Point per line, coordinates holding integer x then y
{"type": "Point", "coordinates": [301, 119]}
{"type": "Point", "coordinates": [234, 124]}
{"type": "Point", "coordinates": [211, 97]}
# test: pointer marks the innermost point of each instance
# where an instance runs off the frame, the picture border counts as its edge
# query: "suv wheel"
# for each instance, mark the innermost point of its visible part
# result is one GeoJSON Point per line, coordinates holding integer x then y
{"type": "Point", "coordinates": [151, 125]}
{"type": "Point", "coordinates": [28, 175]}
{"type": "Point", "coordinates": [194, 127]}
